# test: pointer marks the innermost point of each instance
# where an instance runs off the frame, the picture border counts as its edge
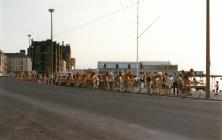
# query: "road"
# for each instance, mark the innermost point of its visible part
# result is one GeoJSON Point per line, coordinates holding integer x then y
{"type": "Point", "coordinates": [30, 111]}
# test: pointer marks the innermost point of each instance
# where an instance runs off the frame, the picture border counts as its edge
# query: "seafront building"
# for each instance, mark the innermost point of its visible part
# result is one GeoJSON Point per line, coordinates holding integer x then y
{"type": "Point", "coordinates": [18, 62]}
{"type": "Point", "coordinates": [144, 66]}
{"type": "Point", "coordinates": [44, 58]}
{"type": "Point", "coordinates": [2, 63]}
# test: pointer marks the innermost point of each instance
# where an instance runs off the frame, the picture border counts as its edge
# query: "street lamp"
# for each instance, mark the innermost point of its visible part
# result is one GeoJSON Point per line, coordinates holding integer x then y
{"type": "Point", "coordinates": [29, 45]}
{"type": "Point", "coordinates": [51, 11]}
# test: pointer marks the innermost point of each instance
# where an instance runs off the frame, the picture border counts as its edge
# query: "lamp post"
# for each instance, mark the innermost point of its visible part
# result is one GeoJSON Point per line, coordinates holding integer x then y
{"type": "Point", "coordinates": [207, 48]}
{"type": "Point", "coordinates": [51, 11]}
{"type": "Point", "coordinates": [29, 46]}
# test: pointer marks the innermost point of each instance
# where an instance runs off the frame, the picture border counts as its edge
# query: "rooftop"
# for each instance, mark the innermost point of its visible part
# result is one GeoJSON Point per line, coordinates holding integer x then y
{"type": "Point", "coordinates": [155, 62]}
{"type": "Point", "coordinates": [133, 62]}
{"type": "Point", "coordinates": [16, 55]}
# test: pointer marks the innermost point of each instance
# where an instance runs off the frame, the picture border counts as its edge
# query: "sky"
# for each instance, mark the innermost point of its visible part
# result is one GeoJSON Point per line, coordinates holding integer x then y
{"type": "Point", "coordinates": [105, 30]}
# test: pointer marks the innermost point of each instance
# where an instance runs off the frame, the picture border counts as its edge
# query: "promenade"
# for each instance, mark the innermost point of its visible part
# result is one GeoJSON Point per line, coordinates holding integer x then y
{"type": "Point", "coordinates": [194, 95]}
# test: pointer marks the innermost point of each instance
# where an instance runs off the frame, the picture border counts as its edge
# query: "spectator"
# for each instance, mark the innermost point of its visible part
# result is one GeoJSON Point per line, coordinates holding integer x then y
{"type": "Point", "coordinates": [217, 88]}
{"type": "Point", "coordinates": [175, 84]}
{"type": "Point", "coordinates": [148, 82]}
{"type": "Point", "coordinates": [142, 82]}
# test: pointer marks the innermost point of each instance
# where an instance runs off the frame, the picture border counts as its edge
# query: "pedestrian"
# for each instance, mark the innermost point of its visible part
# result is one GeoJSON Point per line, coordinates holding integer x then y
{"type": "Point", "coordinates": [142, 82]}
{"type": "Point", "coordinates": [175, 84]}
{"type": "Point", "coordinates": [148, 82]}
{"type": "Point", "coordinates": [217, 88]}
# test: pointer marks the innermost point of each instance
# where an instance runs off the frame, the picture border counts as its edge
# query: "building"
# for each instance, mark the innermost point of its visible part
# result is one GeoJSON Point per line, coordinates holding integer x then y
{"type": "Point", "coordinates": [144, 66]}
{"type": "Point", "coordinates": [2, 63]}
{"type": "Point", "coordinates": [42, 57]}
{"type": "Point", "coordinates": [159, 66]}
{"type": "Point", "coordinates": [18, 62]}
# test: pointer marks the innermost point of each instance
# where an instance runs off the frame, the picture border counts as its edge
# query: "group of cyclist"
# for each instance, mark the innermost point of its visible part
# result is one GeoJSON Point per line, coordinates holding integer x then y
{"type": "Point", "coordinates": [159, 83]}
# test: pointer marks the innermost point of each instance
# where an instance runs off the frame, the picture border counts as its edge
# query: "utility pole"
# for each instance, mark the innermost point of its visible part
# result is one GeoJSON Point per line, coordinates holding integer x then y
{"type": "Point", "coordinates": [207, 48]}
{"type": "Point", "coordinates": [51, 11]}
{"type": "Point", "coordinates": [138, 36]}
{"type": "Point", "coordinates": [137, 42]}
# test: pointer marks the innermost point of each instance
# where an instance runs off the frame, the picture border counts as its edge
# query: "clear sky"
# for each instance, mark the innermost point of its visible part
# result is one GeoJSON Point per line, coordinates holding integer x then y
{"type": "Point", "coordinates": [107, 29]}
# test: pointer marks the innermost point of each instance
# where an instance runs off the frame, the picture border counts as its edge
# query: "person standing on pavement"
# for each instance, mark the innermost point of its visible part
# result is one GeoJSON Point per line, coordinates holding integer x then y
{"type": "Point", "coordinates": [148, 82]}
{"type": "Point", "coordinates": [142, 82]}
{"type": "Point", "coordinates": [217, 88]}
{"type": "Point", "coordinates": [175, 84]}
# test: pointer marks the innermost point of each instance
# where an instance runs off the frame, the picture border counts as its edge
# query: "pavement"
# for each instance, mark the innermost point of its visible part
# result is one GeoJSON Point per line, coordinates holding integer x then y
{"type": "Point", "coordinates": [202, 95]}
{"type": "Point", "coordinates": [194, 94]}
{"type": "Point", "coordinates": [30, 111]}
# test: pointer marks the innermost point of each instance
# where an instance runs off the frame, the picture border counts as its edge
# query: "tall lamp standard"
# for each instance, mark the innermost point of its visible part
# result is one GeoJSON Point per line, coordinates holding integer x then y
{"type": "Point", "coordinates": [51, 11]}
{"type": "Point", "coordinates": [29, 45]}
{"type": "Point", "coordinates": [29, 48]}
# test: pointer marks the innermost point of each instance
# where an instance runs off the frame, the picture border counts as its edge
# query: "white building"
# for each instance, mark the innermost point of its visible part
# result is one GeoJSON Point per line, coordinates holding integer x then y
{"type": "Point", "coordinates": [144, 66]}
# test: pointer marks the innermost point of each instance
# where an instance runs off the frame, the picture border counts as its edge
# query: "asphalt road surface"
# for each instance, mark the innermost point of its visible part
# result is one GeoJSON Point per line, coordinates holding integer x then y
{"type": "Point", "coordinates": [30, 111]}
